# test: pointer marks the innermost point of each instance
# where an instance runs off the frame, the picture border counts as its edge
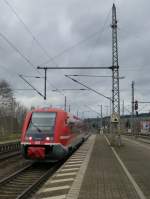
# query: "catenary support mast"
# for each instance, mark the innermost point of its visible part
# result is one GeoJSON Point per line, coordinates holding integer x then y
{"type": "Point", "coordinates": [115, 80]}
{"type": "Point", "coordinates": [115, 66]}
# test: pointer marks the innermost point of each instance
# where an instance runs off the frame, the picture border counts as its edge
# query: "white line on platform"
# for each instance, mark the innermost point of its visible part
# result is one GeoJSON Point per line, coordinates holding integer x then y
{"type": "Point", "coordinates": [81, 153]}
{"type": "Point", "coordinates": [61, 180]}
{"type": "Point", "coordinates": [72, 165]}
{"type": "Point", "coordinates": [135, 185]}
{"type": "Point", "coordinates": [66, 174]}
{"type": "Point", "coordinates": [55, 188]}
{"type": "Point", "coordinates": [77, 158]}
{"type": "Point", "coordinates": [71, 169]}
{"type": "Point", "coordinates": [55, 197]}
{"type": "Point", "coordinates": [73, 162]}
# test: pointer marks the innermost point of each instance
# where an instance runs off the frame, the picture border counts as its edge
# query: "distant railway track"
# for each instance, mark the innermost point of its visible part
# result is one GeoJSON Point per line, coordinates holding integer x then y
{"type": "Point", "coordinates": [144, 135]}
{"type": "Point", "coordinates": [141, 137]}
{"type": "Point", "coordinates": [5, 156]}
{"type": "Point", "coordinates": [26, 181]}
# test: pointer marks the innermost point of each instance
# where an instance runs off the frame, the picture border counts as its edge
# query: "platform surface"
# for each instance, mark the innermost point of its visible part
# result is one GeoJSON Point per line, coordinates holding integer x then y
{"type": "Point", "coordinates": [136, 156]}
{"type": "Point", "coordinates": [94, 172]}
{"type": "Point", "coordinates": [104, 177]}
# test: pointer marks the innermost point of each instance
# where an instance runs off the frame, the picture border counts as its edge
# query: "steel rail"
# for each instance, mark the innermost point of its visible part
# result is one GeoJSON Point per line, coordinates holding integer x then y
{"type": "Point", "coordinates": [26, 181]}
{"type": "Point", "coordinates": [7, 155]}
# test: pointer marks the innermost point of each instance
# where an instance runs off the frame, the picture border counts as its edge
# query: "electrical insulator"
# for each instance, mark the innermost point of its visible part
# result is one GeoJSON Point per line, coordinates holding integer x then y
{"type": "Point", "coordinates": [136, 105]}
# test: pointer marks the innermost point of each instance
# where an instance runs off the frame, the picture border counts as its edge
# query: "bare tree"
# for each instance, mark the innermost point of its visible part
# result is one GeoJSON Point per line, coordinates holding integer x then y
{"type": "Point", "coordinates": [11, 112]}
{"type": "Point", "coordinates": [6, 96]}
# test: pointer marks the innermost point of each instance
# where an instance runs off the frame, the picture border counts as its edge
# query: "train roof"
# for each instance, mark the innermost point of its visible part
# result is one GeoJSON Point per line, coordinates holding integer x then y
{"type": "Point", "coordinates": [57, 110]}
{"type": "Point", "coordinates": [47, 109]}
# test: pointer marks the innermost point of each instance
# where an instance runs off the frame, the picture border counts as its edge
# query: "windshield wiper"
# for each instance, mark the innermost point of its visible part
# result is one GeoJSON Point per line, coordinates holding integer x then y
{"type": "Point", "coordinates": [37, 128]}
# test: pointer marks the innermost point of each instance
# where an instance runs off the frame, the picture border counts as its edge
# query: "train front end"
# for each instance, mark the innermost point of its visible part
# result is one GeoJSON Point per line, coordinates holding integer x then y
{"type": "Point", "coordinates": [39, 137]}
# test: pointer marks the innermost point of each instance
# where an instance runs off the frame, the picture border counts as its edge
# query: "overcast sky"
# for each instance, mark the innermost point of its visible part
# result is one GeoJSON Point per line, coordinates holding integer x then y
{"type": "Point", "coordinates": [42, 29]}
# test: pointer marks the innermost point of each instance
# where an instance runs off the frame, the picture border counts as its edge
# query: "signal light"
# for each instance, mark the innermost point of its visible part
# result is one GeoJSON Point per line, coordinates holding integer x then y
{"type": "Point", "coordinates": [136, 105]}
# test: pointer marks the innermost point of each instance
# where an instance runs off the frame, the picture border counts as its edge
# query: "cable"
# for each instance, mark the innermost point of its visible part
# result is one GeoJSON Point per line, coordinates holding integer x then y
{"type": "Point", "coordinates": [23, 56]}
{"type": "Point", "coordinates": [89, 37]}
{"type": "Point", "coordinates": [33, 37]}
{"type": "Point", "coordinates": [99, 37]}
{"type": "Point", "coordinates": [17, 50]}
{"type": "Point", "coordinates": [88, 87]}
{"type": "Point", "coordinates": [92, 109]}
{"type": "Point", "coordinates": [29, 31]}
{"type": "Point", "coordinates": [79, 42]}
{"type": "Point", "coordinates": [90, 75]}
{"type": "Point", "coordinates": [31, 85]}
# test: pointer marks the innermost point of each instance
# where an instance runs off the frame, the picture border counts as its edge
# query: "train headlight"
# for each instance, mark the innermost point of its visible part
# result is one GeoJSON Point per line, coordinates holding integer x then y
{"type": "Point", "coordinates": [30, 138]}
{"type": "Point", "coordinates": [47, 138]}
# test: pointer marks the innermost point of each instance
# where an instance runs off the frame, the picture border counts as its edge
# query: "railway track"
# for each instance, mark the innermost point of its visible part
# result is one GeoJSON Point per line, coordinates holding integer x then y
{"type": "Point", "coordinates": [145, 138]}
{"type": "Point", "coordinates": [5, 156]}
{"type": "Point", "coordinates": [26, 181]}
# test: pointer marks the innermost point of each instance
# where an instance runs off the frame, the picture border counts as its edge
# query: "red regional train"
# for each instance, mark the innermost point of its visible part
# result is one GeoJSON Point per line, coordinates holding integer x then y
{"type": "Point", "coordinates": [49, 134]}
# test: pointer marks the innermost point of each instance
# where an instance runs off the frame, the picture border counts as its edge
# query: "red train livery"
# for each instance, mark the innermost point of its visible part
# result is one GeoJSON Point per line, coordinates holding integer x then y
{"type": "Point", "coordinates": [49, 134]}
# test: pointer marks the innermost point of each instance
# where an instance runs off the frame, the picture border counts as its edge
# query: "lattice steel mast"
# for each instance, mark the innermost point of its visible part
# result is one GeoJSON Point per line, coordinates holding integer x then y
{"type": "Point", "coordinates": [115, 66]}
{"type": "Point", "coordinates": [115, 74]}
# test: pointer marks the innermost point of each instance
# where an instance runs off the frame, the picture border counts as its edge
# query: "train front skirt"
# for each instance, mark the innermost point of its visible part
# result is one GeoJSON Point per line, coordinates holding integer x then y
{"type": "Point", "coordinates": [52, 153]}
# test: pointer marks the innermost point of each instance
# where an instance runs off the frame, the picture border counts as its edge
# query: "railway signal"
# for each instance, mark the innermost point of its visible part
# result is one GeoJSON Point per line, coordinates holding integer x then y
{"type": "Point", "coordinates": [136, 105]}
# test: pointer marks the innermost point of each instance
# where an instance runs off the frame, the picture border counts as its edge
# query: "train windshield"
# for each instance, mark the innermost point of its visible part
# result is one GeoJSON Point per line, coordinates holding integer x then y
{"type": "Point", "coordinates": [42, 125]}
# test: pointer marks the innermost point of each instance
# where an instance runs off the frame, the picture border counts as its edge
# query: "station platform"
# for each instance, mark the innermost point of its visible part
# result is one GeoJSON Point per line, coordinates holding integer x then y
{"type": "Point", "coordinates": [95, 171]}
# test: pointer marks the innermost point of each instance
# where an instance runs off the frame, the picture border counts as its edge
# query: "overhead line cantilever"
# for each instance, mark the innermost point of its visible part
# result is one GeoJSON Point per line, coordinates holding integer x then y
{"type": "Point", "coordinates": [89, 88]}
{"type": "Point", "coordinates": [31, 85]}
{"type": "Point", "coordinates": [64, 67]}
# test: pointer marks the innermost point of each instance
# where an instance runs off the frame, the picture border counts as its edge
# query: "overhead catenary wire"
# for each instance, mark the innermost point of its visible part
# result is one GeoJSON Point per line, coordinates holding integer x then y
{"type": "Point", "coordinates": [17, 50]}
{"type": "Point", "coordinates": [30, 32]}
{"type": "Point", "coordinates": [89, 37]}
{"type": "Point", "coordinates": [89, 75]}
{"type": "Point", "coordinates": [88, 87]}
{"type": "Point", "coordinates": [33, 37]}
{"type": "Point", "coordinates": [74, 75]}
{"type": "Point", "coordinates": [31, 85]}
{"type": "Point", "coordinates": [92, 109]}
{"type": "Point", "coordinates": [22, 55]}
{"type": "Point", "coordinates": [25, 56]}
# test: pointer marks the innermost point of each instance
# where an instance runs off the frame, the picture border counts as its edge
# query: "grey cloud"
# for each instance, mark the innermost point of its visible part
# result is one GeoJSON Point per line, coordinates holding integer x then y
{"type": "Point", "coordinates": [60, 24]}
